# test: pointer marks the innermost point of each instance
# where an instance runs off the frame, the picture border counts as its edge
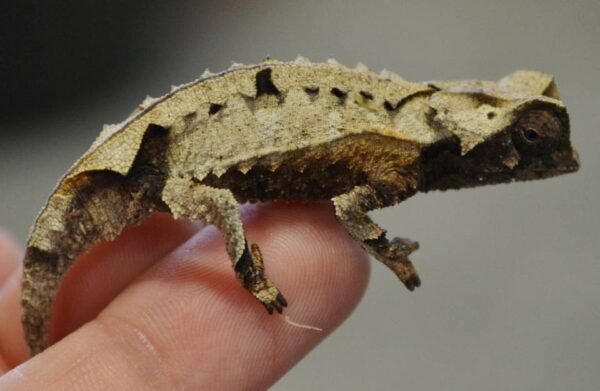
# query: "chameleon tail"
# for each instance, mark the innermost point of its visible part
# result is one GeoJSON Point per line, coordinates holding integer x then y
{"type": "Point", "coordinates": [94, 207]}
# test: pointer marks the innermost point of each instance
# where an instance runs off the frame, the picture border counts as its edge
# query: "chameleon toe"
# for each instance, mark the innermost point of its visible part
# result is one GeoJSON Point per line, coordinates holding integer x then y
{"type": "Point", "coordinates": [281, 300]}
{"type": "Point", "coordinates": [412, 282]}
{"type": "Point", "coordinates": [277, 304]}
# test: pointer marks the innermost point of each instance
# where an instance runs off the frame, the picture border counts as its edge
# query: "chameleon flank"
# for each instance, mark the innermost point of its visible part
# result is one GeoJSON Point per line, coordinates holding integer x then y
{"type": "Point", "coordinates": [293, 131]}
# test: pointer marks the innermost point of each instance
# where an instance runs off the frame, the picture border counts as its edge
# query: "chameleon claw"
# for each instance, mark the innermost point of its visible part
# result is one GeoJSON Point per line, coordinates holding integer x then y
{"type": "Point", "coordinates": [269, 308]}
{"type": "Point", "coordinates": [282, 300]}
{"type": "Point", "coordinates": [278, 304]}
{"type": "Point", "coordinates": [278, 307]}
{"type": "Point", "coordinates": [254, 279]}
{"type": "Point", "coordinates": [412, 282]}
{"type": "Point", "coordinates": [394, 254]}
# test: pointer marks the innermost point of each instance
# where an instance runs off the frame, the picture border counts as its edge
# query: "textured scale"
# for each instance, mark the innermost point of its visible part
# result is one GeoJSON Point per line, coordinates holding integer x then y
{"type": "Point", "coordinates": [295, 131]}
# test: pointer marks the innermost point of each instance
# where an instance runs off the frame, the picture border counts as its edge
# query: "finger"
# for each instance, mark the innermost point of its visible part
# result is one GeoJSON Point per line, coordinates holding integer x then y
{"type": "Point", "coordinates": [95, 279]}
{"type": "Point", "coordinates": [10, 322]}
{"type": "Point", "coordinates": [101, 274]}
{"type": "Point", "coordinates": [10, 256]}
{"type": "Point", "coordinates": [187, 323]}
{"type": "Point", "coordinates": [10, 260]}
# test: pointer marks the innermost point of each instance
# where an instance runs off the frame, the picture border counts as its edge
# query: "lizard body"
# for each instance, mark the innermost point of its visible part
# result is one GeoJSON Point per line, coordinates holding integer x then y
{"type": "Point", "coordinates": [293, 131]}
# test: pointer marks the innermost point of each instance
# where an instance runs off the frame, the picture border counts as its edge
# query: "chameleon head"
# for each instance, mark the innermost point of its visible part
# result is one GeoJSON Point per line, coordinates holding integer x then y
{"type": "Point", "coordinates": [541, 146]}
{"type": "Point", "coordinates": [513, 129]}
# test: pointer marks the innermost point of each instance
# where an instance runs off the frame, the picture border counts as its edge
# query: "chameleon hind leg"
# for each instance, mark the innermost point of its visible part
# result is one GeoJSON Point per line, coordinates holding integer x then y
{"type": "Point", "coordinates": [351, 211]}
{"type": "Point", "coordinates": [189, 199]}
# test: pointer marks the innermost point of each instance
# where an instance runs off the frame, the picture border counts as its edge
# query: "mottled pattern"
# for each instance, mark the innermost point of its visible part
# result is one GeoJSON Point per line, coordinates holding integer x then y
{"type": "Point", "coordinates": [292, 131]}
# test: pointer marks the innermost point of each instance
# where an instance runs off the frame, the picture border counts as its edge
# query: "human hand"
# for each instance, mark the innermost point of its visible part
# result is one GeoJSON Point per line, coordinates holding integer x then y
{"type": "Point", "coordinates": [160, 307]}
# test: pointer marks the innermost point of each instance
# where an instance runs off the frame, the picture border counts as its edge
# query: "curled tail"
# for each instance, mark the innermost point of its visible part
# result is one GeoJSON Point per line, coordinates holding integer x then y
{"type": "Point", "coordinates": [95, 207]}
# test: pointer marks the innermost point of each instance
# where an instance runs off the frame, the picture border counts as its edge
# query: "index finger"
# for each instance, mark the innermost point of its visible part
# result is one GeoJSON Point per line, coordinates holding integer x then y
{"type": "Point", "coordinates": [187, 323]}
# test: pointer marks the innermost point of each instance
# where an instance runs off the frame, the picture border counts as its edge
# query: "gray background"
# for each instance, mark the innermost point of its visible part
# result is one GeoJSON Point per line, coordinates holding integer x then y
{"type": "Point", "coordinates": [511, 297]}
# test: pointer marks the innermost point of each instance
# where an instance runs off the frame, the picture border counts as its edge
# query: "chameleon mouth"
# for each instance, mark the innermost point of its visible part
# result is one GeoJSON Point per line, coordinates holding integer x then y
{"type": "Point", "coordinates": [575, 163]}
{"type": "Point", "coordinates": [558, 164]}
{"type": "Point", "coordinates": [567, 164]}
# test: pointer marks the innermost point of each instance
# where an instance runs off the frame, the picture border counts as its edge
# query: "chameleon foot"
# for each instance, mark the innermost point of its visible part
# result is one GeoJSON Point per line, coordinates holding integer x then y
{"type": "Point", "coordinates": [394, 254]}
{"type": "Point", "coordinates": [351, 210]}
{"type": "Point", "coordinates": [271, 298]}
{"type": "Point", "coordinates": [251, 272]}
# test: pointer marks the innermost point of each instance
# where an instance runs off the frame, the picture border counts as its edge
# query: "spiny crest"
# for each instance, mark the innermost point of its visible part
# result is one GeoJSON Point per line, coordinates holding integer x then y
{"type": "Point", "coordinates": [109, 127]}
{"type": "Point", "coordinates": [365, 70]}
{"type": "Point", "coordinates": [360, 67]}
{"type": "Point", "coordinates": [269, 60]}
{"type": "Point", "coordinates": [236, 65]}
{"type": "Point", "coordinates": [389, 75]}
{"type": "Point", "coordinates": [207, 73]}
{"type": "Point", "coordinates": [148, 100]}
{"type": "Point", "coordinates": [300, 60]}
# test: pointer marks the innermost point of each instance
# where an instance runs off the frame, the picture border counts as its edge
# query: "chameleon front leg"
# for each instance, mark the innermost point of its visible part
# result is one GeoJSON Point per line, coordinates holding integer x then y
{"type": "Point", "coordinates": [189, 199]}
{"type": "Point", "coordinates": [351, 210]}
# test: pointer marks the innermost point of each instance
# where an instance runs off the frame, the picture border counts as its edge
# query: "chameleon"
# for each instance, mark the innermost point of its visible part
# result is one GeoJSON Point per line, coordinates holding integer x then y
{"type": "Point", "coordinates": [293, 131]}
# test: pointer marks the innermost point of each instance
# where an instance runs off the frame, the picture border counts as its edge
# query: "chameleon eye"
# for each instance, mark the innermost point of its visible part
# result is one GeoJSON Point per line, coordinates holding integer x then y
{"type": "Point", "coordinates": [537, 131]}
{"type": "Point", "coordinates": [531, 135]}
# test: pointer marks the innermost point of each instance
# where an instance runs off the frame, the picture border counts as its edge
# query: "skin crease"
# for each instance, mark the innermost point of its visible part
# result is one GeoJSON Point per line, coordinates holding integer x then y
{"type": "Point", "coordinates": [175, 316]}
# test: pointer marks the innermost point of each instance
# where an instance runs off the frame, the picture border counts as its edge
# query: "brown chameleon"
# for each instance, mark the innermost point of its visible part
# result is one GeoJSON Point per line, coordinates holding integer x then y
{"type": "Point", "coordinates": [293, 131]}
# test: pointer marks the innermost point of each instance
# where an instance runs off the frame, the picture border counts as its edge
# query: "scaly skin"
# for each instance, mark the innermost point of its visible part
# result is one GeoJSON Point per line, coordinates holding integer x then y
{"type": "Point", "coordinates": [293, 131]}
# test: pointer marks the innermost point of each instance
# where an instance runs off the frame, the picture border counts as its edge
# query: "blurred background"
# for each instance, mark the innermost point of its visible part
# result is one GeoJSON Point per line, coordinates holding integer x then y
{"type": "Point", "coordinates": [511, 292]}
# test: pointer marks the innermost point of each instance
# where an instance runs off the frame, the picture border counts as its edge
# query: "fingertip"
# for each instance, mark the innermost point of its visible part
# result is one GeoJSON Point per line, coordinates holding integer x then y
{"type": "Point", "coordinates": [321, 271]}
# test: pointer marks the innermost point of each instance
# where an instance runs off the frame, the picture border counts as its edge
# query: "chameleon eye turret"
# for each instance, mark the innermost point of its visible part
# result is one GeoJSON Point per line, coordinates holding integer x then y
{"type": "Point", "coordinates": [292, 131]}
{"type": "Point", "coordinates": [541, 138]}
{"type": "Point", "coordinates": [538, 131]}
